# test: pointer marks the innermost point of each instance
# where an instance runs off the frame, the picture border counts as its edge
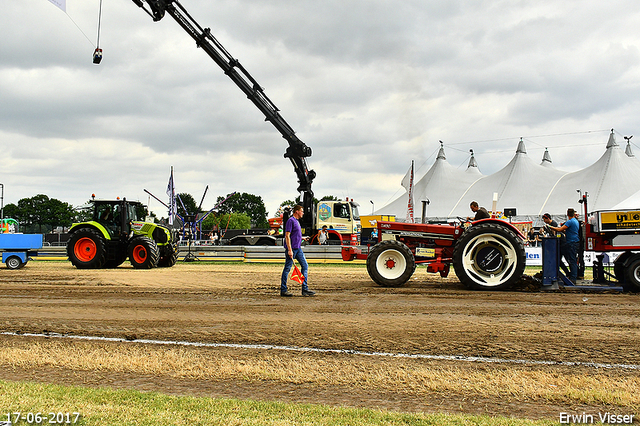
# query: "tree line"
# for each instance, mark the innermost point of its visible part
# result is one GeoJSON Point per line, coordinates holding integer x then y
{"type": "Point", "coordinates": [42, 214]}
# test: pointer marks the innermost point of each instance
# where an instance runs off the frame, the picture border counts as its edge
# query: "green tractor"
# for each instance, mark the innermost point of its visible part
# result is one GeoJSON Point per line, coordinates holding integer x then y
{"type": "Point", "coordinates": [115, 233]}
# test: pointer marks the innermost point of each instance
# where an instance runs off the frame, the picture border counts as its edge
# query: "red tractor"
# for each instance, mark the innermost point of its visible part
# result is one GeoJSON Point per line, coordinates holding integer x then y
{"type": "Point", "coordinates": [488, 254]}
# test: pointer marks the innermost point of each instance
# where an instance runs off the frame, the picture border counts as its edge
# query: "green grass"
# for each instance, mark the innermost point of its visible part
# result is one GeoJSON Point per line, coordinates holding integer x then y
{"type": "Point", "coordinates": [127, 407]}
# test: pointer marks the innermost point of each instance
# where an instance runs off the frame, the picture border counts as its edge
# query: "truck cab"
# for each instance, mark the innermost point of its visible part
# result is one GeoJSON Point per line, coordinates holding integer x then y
{"type": "Point", "coordinates": [342, 219]}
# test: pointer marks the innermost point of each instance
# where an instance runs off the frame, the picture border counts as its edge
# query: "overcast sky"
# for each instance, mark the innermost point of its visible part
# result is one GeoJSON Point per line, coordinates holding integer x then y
{"type": "Point", "coordinates": [369, 85]}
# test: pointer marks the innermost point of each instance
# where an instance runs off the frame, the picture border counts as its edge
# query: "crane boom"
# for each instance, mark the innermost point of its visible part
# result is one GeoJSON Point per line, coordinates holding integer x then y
{"type": "Point", "coordinates": [297, 151]}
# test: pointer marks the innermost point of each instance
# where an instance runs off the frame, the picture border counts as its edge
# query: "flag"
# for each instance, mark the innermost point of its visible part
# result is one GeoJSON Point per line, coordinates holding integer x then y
{"type": "Point", "coordinates": [296, 275]}
{"type": "Point", "coordinates": [171, 192]}
{"type": "Point", "coordinates": [407, 179]}
{"type": "Point", "coordinates": [62, 4]}
{"type": "Point", "coordinates": [407, 183]}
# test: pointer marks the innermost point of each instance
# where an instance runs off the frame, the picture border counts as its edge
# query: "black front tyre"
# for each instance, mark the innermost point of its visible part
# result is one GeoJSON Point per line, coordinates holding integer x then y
{"type": "Point", "coordinates": [143, 253]}
{"type": "Point", "coordinates": [169, 256]}
{"type": "Point", "coordinates": [489, 256]}
{"type": "Point", "coordinates": [390, 263]}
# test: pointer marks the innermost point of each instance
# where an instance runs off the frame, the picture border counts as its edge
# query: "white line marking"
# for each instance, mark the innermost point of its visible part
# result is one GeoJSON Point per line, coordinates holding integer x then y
{"type": "Point", "coordinates": [334, 351]}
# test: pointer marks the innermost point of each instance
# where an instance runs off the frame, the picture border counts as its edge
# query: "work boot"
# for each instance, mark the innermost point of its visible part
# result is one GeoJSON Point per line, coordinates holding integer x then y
{"type": "Point", "coordinates": [286, 294]}
{"type": "Point", "coordinates": [308, 293]}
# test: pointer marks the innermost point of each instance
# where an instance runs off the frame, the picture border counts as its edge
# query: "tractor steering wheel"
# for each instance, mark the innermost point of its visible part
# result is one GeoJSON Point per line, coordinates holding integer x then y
{"type": "Point", "coordinates": [463, 219]}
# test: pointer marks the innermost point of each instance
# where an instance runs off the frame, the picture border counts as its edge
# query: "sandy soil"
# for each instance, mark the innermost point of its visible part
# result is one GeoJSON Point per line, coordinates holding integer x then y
{"type": "Point", "coordinates": [240, 303]}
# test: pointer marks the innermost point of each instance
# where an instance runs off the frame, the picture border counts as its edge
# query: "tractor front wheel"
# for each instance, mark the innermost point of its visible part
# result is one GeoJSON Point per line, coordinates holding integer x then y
{"type": "Point", "coordinates": [143, 253]}
{"type": "Point", "coordinates": [86, 249]}
{"type": "Point", "coordinates": [169, 256]}
{"type": "Point", "coordinates": [390, 263]}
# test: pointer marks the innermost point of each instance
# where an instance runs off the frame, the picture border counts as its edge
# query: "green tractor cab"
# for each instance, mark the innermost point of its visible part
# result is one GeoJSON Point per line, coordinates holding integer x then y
{"type": "Point", "coordinates": [115, 233]}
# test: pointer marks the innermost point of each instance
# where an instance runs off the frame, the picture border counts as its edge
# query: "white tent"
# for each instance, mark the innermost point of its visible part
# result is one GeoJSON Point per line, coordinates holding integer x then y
{"type": "Point", "coordinates": [610, 180]}
{"type": "Point", "coordinates": [530, 188]}
{"type": "Point", "coordinates": [521, 184]}
{"type": "Point", "coordinates": [442, 186]}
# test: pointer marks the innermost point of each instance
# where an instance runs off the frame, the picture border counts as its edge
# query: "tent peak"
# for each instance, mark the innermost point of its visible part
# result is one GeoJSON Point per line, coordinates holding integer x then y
{"type": "Point", "coordinates": [628, 150]}
{"type": "Point", "coordinates": [521, 148]}
{"type": "Point", "coordinates": [472, 160]}
{"type": "Point", "coordinates": [546, 157]}
{"type": "Point", "coordinates": [441, 155]}
{"type": "Point", "coordinates": [612, 140]}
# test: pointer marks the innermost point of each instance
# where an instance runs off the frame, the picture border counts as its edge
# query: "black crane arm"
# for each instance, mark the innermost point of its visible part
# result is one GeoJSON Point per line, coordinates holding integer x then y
{"type": "Point", "coordinates": [297, 150]}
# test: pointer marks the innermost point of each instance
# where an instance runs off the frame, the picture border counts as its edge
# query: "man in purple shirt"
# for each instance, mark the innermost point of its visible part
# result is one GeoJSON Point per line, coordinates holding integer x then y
{"type": "Point", "coordinates": [293, 250]}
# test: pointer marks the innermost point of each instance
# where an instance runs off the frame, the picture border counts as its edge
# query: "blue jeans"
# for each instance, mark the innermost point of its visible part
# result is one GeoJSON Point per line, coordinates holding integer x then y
{"type": "Point", "coordinates": [298, 255]}
{"type": "Point", "coordinates": [569, 252]}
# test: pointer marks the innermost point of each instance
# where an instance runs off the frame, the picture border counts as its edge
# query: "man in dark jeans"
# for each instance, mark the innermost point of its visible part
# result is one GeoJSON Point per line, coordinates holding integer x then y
{"type": "Point", "coordinates": [293, 250]}
{"type": "Point", "coordinates": [580, 254]}
{"type": "Point", "coordinates": [569, 248]}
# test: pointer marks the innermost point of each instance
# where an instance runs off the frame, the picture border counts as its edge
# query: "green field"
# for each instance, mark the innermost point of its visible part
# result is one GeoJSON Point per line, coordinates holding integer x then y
{"type": "Point", "coordinates": [126, 407]}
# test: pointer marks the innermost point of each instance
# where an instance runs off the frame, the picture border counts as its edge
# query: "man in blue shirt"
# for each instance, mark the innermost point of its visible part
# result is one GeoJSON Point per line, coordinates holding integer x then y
{"type": "Point", "coordinates": [569, 248]}
{"type": "Point", "coordinates": [293, 250]}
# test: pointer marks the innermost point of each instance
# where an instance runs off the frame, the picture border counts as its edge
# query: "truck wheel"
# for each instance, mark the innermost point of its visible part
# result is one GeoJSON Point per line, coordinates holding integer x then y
{"type": "Point", "coordinates": [489, 256]}
{"type": "Point", "coordinates": [143, 253]}
{"type": "Point", "coordinates": [86, 249]}
{"type": "Point", "coordinates": [239, 241]}
{"type": "Point", "coordinates": [632, 275]}
{"type": "Point", "coordinates": [264, 241]}
{"type": "Point", "coordinates": [618, 267]}
{"type": "Point", "coordinates": [14, 262]}
{"type": "Point", "coordinates": [390, 263]}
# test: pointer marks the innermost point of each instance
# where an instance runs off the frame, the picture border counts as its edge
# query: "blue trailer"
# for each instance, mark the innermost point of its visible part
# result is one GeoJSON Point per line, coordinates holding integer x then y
{"type": "Point", "coordinates": [17, 249]}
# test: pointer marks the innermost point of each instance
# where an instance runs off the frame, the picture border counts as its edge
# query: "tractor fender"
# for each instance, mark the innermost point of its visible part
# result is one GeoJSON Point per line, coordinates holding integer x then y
{"type": "Point", "coordinates": [501, 223]}
{"type": "Point", "coordinates": [92, 224]}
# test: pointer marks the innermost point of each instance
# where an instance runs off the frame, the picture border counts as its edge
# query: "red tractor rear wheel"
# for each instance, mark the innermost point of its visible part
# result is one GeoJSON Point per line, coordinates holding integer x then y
{"type": "Point", "coordinates": [489, 256]}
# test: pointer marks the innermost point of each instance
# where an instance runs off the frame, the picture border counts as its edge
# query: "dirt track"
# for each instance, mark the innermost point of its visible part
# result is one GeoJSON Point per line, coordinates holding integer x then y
{"type": "Point", "coordinates": [239, 303]}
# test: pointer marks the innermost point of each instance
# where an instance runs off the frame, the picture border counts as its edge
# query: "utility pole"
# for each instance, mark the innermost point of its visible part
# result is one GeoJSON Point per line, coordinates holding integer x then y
{"type": "Point", "coordinates": [2, 202]}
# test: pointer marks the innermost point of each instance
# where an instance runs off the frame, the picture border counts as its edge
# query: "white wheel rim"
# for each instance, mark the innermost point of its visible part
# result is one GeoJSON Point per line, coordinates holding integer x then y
{"type": "Point", "coordinates": [499, 254]}
{"type": "Point", "coordinates": [13, 263]}
{"type": "Point", "coordinates": [391, 264]}
{"type": "Point", "coordinates": [636, 273]}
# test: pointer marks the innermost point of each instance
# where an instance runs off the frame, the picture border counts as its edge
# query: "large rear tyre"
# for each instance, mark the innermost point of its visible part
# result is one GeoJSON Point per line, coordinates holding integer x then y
{"type": "Point", "coordinates": [86, 249]}
{"type": "Point", "coordinates": [489, 256]}
{"type": "Point", "coordinates": [390, 263]}
{"type": "Point", "coordinates": [143, 253]}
